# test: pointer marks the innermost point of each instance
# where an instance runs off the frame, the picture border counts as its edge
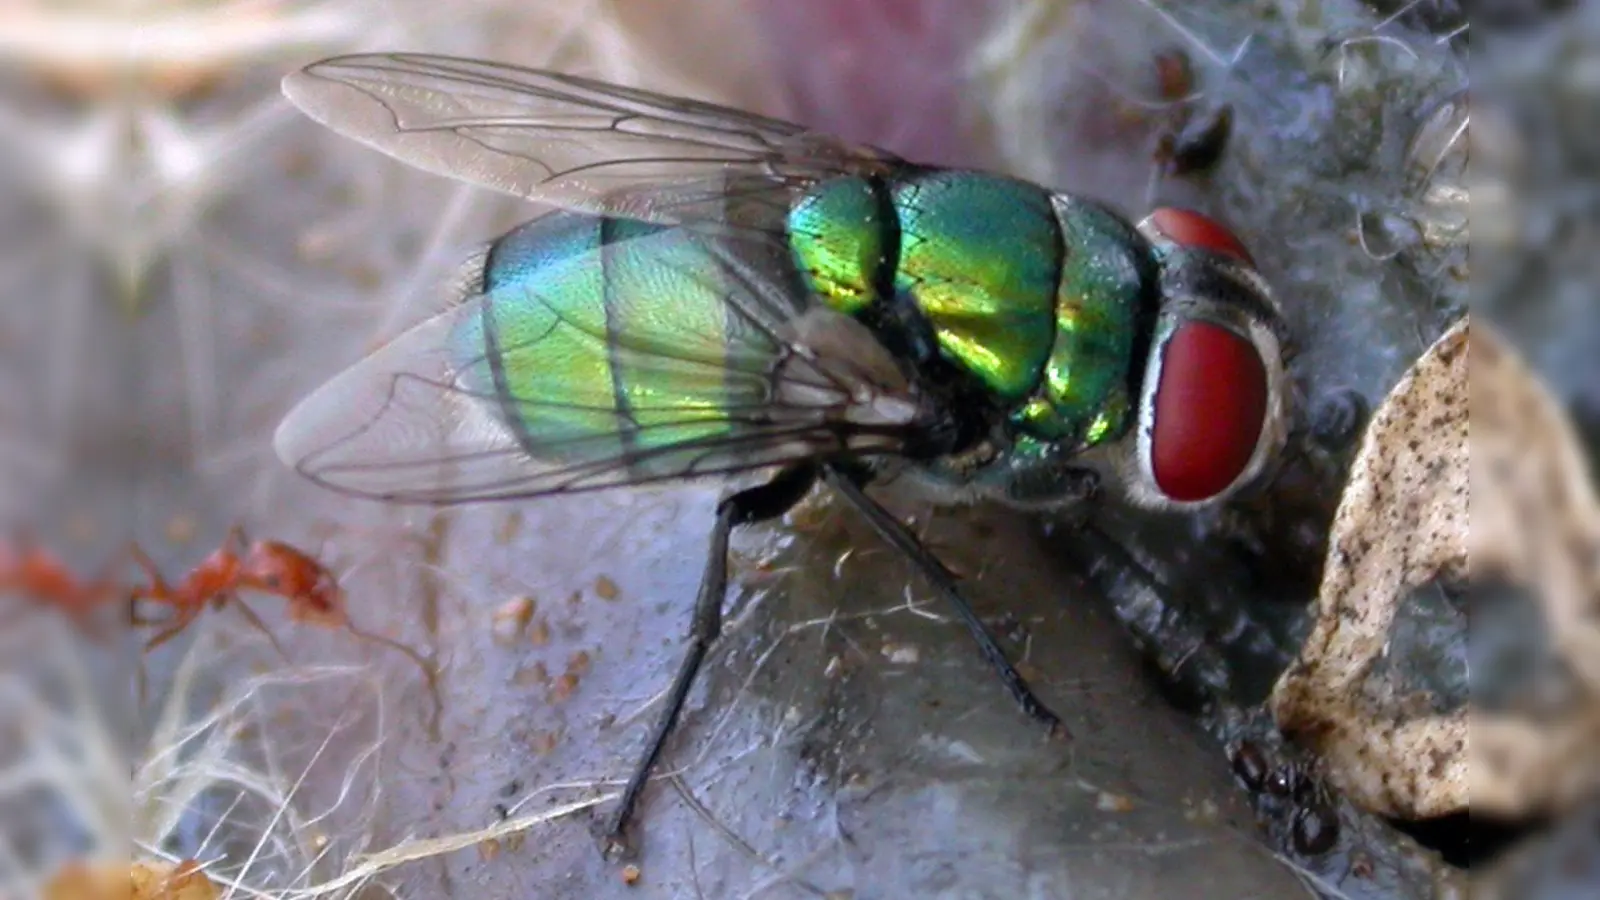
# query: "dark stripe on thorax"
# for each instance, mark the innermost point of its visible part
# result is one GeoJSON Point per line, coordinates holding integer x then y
{"type": "Point", "coordinates": [900, 326]}
{"type": "Point", "coordinates": [627, 427]}
{"type": "Point", "coordinates": [894, 319]}
{"type": "Point", "coordinates": [510, 413]}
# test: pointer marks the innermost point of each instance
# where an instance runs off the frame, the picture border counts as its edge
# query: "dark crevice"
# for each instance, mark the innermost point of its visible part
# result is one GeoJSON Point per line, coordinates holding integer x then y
{"type": "Point", "coordinates": [1467, 841]}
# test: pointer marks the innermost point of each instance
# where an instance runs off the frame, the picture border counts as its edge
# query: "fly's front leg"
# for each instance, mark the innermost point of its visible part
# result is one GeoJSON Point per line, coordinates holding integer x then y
{"type": "Point", "coordinates": [891, 529]}
{"type": "Point", "coordinates": [756, 504]}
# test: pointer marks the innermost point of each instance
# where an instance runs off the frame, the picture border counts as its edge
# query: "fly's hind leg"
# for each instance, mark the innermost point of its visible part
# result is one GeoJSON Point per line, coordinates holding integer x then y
{"type": "Point", "coordinates": [766, 501]}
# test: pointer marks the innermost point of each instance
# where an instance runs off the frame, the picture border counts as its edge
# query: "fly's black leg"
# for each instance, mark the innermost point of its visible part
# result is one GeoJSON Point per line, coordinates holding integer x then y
{"type": "Point", "coordinates": [755, 504]}
{"type": "Point", "coordinates": [848, 484]}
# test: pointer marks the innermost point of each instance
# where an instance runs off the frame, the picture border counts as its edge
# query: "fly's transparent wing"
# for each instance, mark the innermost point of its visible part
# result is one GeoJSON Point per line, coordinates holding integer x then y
{"type": "Point", "coordinates": [665, 356]}
{"type": "Point", "coordinates": [570, 141]}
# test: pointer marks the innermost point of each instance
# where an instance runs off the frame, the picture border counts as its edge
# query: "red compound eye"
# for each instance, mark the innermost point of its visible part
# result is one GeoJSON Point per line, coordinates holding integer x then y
{"type": "Point", "coordinates": [1187, 228]}
{"type": "Point", "coordinates": [1210, 406]}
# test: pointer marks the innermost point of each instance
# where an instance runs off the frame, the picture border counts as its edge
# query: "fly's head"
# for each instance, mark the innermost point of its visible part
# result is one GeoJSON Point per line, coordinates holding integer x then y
{"type": "Point", "coordinates": [1213, 403]}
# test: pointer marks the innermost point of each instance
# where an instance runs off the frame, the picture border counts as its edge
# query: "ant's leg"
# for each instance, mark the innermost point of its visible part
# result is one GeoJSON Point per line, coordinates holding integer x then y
{"type": "Point", "coordinates": [157, 590]}
{"type": "Point", "coordinates": [255, 620]}
{"type": "Point", "coordinates": [161, 592]}
{"type": "Point", "coordinates": [177, 624]}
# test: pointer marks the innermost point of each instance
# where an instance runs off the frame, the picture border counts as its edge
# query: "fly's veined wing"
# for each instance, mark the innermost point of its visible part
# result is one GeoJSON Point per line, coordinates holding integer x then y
{"type": "Point", "coordinates": [570, 141]}
{"type": "Point", "coordinates": [669, 354]}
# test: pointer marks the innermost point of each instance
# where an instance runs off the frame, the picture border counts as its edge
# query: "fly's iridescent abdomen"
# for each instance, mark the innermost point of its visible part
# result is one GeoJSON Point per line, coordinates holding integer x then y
{"type": "Point", "coordinates": [606, 338]}
{"type": "Point", "coordinates": [540, 331]}
{"type": "Point", "coordinates": [621, 328]}
{"type": "Point", "coordinates": [1038, 298]}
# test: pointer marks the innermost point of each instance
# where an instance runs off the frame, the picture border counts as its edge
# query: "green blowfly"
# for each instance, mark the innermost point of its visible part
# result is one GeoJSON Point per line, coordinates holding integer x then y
{"type": "Point", "coordinates": [722, 295]}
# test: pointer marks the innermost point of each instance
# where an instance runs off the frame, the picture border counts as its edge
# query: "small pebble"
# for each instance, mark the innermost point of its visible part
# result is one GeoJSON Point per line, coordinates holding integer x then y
{"type": "Point", "coordinates": [488, 850]}
{"type": "Point", "coordinates": [1109, 802]}
{"type": "Point", "coordinates": [511, 618]}
{"type": "Point", "coordinates": [901, 654]}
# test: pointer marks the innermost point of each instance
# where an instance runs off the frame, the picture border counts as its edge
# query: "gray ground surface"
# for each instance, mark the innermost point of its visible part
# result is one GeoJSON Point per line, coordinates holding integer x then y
{"type": "Point", "coordinates": [846, 741]}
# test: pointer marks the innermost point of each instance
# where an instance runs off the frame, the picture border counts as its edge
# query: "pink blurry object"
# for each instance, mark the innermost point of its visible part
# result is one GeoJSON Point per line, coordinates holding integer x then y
{"type": "Point", "coordinates": [889, 72]}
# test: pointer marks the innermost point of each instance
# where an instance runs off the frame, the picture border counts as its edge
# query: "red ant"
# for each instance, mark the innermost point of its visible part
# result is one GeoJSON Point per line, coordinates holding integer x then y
{"type": "Point", "coordinates": [270, 567]}
{"type": "Point", "coordinates": [31, 571]}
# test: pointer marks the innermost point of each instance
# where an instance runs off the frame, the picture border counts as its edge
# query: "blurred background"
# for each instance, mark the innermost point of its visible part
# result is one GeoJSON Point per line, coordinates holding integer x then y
{"type": "Point", "coordinates": [183, 256]}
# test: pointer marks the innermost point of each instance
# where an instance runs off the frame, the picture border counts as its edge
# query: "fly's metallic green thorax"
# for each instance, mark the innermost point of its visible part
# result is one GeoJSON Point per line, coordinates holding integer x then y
{"type": "Point", "coordinates": [843, 232]}
{"type": "Point", "coordinates": [1037, 297]}
{"type": "Point", "coordinates": [1105, 300]}
{"type": "Point", "coordinates": [979, 258]}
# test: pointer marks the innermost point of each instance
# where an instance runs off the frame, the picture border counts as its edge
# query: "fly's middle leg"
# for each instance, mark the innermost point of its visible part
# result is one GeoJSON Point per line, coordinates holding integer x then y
{"type": "Point", "coordinates": [848, 483]}
{"type": "Point", "coordinates": [766, 501]}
